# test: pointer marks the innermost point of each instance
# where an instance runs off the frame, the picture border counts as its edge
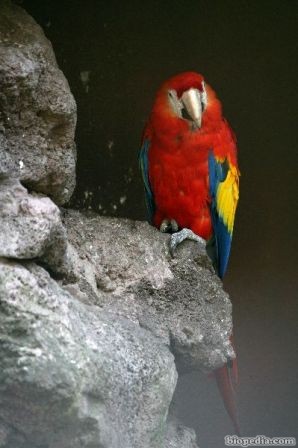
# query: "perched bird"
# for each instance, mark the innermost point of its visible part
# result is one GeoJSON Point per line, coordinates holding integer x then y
{"type": "Point", "coordinates": [189, 167]}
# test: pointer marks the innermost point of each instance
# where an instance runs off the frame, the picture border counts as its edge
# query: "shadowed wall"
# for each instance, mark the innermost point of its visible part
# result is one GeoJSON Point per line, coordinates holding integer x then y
{"type": "Point", "coordinates": [115, 55]}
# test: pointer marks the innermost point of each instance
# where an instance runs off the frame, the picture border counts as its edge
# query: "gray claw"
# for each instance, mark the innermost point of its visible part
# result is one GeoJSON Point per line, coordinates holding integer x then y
{"type": "Point", "coordinates": [168, 226]}
{"type": "Point", "coordinates": [174, 226]}
{"type": "Point", "coordinates": [184, 234]}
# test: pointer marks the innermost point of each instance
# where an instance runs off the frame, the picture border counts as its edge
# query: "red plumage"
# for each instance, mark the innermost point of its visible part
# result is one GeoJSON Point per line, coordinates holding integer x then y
{"type": "Point", "coordinates": [178, 157]}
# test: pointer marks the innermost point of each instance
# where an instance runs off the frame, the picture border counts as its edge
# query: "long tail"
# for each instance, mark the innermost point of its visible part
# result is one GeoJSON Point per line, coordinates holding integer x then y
{"type": "Point", "coordinates": [227, 378]}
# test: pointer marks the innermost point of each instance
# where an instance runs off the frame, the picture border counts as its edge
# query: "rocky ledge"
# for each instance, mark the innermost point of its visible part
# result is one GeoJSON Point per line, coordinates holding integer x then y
{"type": "Point", "coordinates": [96, 320]}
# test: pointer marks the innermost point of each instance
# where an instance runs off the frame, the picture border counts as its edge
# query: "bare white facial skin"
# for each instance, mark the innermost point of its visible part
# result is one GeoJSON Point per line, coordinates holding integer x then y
{"type": "Point", "coordinates": [190, 106]}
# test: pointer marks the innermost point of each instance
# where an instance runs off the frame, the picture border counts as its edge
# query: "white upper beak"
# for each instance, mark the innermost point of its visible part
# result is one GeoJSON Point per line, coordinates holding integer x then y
{"type": "Point", "coordinates": [191, 100]}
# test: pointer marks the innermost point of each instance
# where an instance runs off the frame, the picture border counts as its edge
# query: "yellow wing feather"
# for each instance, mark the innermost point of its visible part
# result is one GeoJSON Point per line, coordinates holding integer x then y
{"type": "Point", "coordinates": [227, 197]}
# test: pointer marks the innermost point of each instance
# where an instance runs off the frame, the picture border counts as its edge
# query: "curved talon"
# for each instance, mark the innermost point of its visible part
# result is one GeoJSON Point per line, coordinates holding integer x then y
{"type": "Point", "coordinates": [174, 226]}
{"type": "Point", "coordinates": [168, 226]}
{"type": "Point", "coordinates": [184, 234]}
{"type": "Point", "coordinates": [164, 226]}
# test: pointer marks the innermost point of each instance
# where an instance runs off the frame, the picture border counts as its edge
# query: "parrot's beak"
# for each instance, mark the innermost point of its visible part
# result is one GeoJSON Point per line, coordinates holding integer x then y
{"type": "Point", "coordinates": [191, 100]}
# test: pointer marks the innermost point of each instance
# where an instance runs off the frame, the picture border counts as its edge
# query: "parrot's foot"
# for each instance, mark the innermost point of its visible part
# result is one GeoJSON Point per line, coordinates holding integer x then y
{"type": "Point", "coordinates": [169, 226]}
{"type": "Point", "coordinates": [184, 234]}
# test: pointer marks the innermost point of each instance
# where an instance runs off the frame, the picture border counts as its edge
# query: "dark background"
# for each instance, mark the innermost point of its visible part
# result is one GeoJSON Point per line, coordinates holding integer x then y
{"type": "Point", "coordinates": [115, 55]}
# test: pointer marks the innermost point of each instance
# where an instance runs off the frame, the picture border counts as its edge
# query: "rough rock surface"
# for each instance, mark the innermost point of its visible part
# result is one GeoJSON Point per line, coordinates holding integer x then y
{"type": "Point", "coordinates": [125, 266]}
{"type": "Point", "coordinates": [85, 363]}
{"type": "Point", "coordinates": [31, 226]}
{"type": "Point", "coordinates": [177, 436]}
{"type": "Point", "coordinates": [37, 109]}
{"type": "Point", "coordinates": [74, 375]}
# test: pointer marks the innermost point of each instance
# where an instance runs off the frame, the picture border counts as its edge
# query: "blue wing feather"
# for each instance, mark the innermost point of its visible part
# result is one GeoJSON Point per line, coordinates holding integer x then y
{"type": "Point", "coordinates": [144, 165]}
{"type": "Point", "coordinates": [220, 245]}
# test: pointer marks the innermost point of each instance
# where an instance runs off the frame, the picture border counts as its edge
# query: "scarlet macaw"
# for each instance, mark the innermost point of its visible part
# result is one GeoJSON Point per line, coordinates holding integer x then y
{"type": "Point", "coordinates": [189, 167]}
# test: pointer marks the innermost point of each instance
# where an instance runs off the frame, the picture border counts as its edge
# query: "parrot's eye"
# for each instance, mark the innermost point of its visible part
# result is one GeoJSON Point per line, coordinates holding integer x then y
{"type": "Point", "coordinates": [171, 94]}
{"type": "Point", "coordinates": [175, 102]}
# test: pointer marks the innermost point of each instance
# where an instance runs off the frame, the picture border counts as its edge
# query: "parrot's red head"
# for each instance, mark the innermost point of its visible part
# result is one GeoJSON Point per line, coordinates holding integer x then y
{"type": "Point", "coordinates": [187, 100]}
{"type": "Point", "coordinates": [184, 81]}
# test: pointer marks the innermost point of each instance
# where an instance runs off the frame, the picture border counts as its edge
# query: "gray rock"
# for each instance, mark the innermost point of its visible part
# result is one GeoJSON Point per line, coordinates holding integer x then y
{"type": "Point", "coordinates": [6, 162]}
{"type": "Point", "coordinates": [178, 436]}
{"type": "Point", "coordinates": [37, 109]}
{"type": "Point", "coordinates": [125, 267]}
{"type": "Point", "coordinates": [31, 226]}
{"type": "Point", "coordinates": [89, 363]}
{"type": "Point", "coordinates": [73, 375]}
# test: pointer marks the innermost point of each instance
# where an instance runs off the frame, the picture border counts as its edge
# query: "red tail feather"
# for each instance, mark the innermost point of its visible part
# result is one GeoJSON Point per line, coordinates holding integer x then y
{"type": "Point", "coordinates": [226, 378]}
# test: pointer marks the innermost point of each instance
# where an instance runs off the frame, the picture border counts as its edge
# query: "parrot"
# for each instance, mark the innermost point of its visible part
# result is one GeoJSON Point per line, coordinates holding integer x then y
{"type": "Point", "coordinates": [188, 162]}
